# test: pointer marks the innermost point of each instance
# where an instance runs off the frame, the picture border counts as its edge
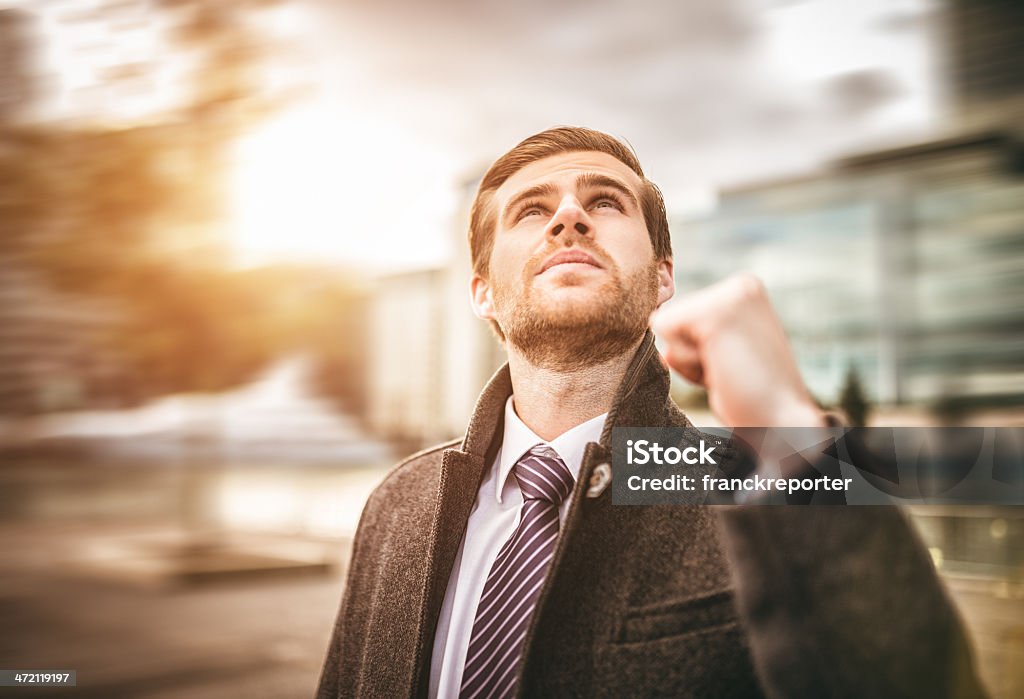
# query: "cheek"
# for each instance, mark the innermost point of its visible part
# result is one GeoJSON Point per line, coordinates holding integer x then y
{"type": "Point", "coordinates": [509, 259]}
{"type": "Point", "coordinates": [630, 248]}
{"type": "Point", "coordinates": [504, 276]}
{"type": "Point", "coordinates": [643, 248]}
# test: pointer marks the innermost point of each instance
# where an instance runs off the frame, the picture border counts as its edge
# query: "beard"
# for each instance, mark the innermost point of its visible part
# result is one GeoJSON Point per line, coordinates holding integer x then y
{"type": "Point", "coordinates": [562, 336]}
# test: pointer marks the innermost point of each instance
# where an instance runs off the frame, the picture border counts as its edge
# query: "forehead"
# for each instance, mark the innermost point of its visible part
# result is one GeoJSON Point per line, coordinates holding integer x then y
{"type": "Point", "coordinates": [562, 169]}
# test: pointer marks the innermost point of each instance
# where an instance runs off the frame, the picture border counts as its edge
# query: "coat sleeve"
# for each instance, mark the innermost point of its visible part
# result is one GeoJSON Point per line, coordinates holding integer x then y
{"type": "Point", "coordinates": [337, 677]}
{"type": "Point", "coordinates": [844, 602]}
{"type": "Point", "coordinates": [329, 686]}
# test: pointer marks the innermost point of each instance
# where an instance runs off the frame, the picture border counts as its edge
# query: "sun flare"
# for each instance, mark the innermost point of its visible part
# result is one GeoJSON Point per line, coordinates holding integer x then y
{"type": "Point", "coordinates": [312, 186]}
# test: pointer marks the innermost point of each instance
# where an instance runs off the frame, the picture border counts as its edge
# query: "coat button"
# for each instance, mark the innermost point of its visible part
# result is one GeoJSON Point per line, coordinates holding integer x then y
{"type": "Point", "coordinates": [599, 480]}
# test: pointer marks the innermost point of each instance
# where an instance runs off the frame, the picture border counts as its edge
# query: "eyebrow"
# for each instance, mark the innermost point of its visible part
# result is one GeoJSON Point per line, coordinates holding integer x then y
{"type": "Point", "coordinates": [540, 190]}
{"type": "Point", "coordinates": [585, 180]}
{"type": "Point", "coordinates": [593, 180]}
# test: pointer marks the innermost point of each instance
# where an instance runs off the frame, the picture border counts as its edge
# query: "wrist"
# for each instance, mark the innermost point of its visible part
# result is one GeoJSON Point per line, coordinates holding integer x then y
{"type": "Point", "coordinates": [799, 413]}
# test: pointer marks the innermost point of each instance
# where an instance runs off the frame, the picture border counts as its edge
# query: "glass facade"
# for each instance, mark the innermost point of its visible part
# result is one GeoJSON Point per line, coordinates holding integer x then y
{"type": "Point", "coordinates": [906, 266]}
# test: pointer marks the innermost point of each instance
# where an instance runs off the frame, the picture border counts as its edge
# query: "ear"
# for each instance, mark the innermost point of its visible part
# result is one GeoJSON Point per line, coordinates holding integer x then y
{"type": "Point", "coordinates": [666, 281]}
{"type": "Point", "coordinates": [480, 298]}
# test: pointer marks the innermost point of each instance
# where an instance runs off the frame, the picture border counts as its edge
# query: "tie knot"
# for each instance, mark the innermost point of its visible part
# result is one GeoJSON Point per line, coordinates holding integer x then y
{"type": "Point", "coordinates": [542, 475]}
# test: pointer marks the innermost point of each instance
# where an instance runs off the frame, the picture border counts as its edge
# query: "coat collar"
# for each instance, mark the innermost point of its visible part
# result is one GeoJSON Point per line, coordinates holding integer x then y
{"type": "Point", "coordinates": [644, 387]}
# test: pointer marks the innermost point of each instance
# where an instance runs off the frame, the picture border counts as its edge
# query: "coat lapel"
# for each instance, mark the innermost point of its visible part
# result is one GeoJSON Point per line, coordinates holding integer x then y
{"type": "Point", "coordinates": [462, 471]}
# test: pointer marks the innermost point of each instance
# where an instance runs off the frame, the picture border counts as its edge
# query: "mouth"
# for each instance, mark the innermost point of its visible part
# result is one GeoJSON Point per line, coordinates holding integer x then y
{"type": "Point", "coordinates": [569, 257]}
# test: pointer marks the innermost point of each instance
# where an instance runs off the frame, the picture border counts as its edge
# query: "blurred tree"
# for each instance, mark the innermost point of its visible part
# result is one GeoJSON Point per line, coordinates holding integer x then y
{"type": "Point", "coordinates": [135, 214]}
{"type": "Point", "coordinates": [852, 400]}
{"type": "Point", "coordinates": [322, 313]}
{"type": "Point", "coordinates": [336, 338]}
{"type": "Point", "coordinates": [17, 84]}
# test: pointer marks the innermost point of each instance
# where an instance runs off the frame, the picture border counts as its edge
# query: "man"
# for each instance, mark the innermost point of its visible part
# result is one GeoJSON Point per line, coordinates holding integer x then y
{"type": "Point", "coordinates": [496, 565]}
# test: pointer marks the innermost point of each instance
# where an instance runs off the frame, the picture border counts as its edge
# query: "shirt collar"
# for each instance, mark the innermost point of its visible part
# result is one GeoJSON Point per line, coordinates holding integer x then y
{"type": "Point", "coordinates": [518, 439]}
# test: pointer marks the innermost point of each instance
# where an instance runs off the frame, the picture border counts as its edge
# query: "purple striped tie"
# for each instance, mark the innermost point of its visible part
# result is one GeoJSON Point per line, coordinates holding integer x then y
{"type": "Point", "coordinates": [511, 590]}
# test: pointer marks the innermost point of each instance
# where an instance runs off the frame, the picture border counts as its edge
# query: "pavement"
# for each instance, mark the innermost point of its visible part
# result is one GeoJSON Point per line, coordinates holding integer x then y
{"type": "Point", "coordinates": [251, 635]}
{"type": "Point", "coordinates": [252, 638]}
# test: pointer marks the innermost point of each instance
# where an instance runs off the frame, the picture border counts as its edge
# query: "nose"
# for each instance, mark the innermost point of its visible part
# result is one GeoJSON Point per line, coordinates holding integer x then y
{"type": "Point", "coordinates": [569, 216]}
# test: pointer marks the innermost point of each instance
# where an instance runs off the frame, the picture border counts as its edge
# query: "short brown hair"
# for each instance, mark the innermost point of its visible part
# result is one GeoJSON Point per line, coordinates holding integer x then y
{"type": "Point", "coordinates": [555, 141]}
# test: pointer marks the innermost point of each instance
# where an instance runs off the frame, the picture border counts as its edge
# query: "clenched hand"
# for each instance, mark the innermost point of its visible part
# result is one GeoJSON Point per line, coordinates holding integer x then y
{"type": "Point", "coordinates": [728, 339]}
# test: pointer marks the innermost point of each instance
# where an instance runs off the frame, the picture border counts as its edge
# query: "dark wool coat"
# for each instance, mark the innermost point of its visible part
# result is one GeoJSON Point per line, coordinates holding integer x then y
{"type": "Point", "coordinates": [667, 601]}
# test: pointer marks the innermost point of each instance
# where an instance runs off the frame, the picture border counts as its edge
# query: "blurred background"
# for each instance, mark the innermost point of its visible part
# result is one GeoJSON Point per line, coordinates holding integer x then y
{"type": "Point", "coordinates": [233, 277]}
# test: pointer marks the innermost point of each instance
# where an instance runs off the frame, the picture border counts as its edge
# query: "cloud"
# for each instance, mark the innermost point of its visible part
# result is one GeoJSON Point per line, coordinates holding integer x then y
{"type": "Point", "coordinates": [683, 81]}
{"type": "Point", "coordinates": [860, 92]}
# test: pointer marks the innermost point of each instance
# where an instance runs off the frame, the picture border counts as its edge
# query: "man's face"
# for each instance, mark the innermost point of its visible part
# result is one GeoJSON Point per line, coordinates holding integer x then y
{"type": "Point", "coordinates": [572, 277]}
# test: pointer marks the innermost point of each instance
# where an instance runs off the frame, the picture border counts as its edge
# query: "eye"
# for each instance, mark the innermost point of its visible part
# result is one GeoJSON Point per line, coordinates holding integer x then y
{"type": "Point", "coordinates": [529, 209]}
{"type": "Point", "coordinates": [606, 200]}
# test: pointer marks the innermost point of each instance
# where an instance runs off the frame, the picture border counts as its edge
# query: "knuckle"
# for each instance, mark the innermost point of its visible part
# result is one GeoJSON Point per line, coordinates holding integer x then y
{"type": "Point", "coordinates": [748, 287]}
{"type": "Point", "coordinates": [750, 283]}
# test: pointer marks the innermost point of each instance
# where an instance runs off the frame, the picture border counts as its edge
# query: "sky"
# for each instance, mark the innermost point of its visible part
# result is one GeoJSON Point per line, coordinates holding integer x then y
{"type": "Point", "coordinates": [423, 96]}
{"type": "Point", "coordinates": [406, 101]}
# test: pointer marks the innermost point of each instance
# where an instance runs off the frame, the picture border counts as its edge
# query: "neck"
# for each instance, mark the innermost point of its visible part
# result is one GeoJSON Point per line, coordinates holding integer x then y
{"type": "Point", "coordinates": [551, 402]}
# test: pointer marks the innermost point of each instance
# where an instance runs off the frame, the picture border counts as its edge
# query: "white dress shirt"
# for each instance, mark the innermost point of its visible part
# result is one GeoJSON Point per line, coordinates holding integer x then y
{"type": "Point", "coordinates": [493, 519]}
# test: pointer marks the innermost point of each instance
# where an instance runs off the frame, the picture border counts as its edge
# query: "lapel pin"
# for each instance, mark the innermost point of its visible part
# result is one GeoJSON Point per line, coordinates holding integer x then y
{"type": "Point", "coordinates": [599, 480]}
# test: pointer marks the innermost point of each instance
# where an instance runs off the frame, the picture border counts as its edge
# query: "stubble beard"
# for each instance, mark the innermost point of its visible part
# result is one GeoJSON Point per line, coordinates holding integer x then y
{"type": "Point", "coordinates": [603, 326]}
